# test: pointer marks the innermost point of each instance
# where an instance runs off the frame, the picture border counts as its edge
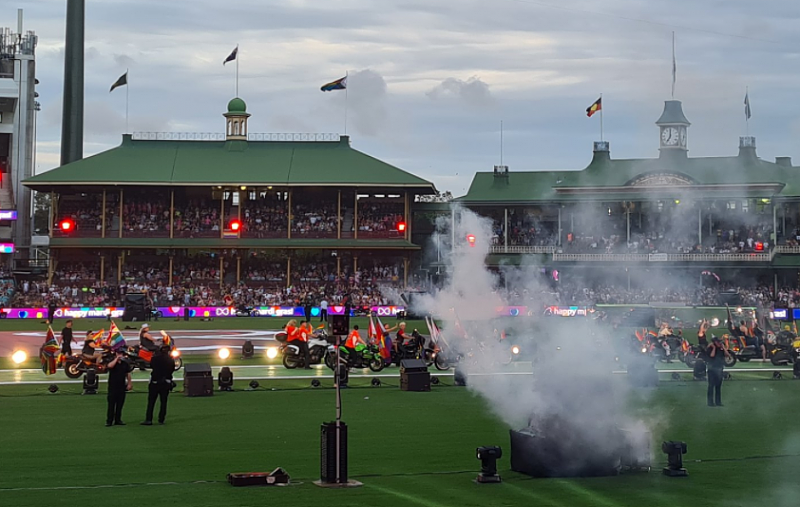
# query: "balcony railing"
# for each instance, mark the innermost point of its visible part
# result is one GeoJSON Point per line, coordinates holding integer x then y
{"type": "Point", "coordinates": [787, 249]}
{"type": "Point", "coordinates": [663, 257]}
{"type": "Point", "coordinates": [512, 249]}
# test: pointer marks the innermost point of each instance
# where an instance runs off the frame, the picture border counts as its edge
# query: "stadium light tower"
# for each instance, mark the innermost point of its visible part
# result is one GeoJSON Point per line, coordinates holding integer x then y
{"type": "Point", "coordinates": [67, 225]}
{"type": "Point", "coordinates": [471, 239]}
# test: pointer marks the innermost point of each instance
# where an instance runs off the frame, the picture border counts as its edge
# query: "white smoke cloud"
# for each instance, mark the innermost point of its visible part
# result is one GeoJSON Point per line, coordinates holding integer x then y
{"type": "Point", "coordinates": [473, 91]}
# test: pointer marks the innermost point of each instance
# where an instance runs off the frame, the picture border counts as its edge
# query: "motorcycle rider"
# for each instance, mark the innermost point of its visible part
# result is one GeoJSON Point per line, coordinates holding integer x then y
{"type": "Point", "coordinates": [146, 340]}
{"type": "Point", "coordinates": [90, 349]}
{"type": "Point", "coordinates": [294, 335]}
{"type": "Point", "coordinates": [305, 331]}
{"type": "Point", "coordinates": [353, 340]}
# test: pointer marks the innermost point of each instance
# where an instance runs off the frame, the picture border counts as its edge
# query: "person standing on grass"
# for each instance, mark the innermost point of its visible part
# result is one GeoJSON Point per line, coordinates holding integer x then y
{"type": "Point", "coordinates": [715, 356]}
{"type": "Point", "coordinates": [66, 338]}
{"type": "Point", "coordinates": [160, 384]}
{"type": "Point", "coordinates": [323, 310]}
{"type": "Point", "coordinates": [119, 382]}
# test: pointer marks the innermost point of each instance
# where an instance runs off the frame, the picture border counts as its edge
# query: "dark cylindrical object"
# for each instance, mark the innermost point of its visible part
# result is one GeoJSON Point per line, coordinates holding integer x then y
{"type": "Point", "coordinates": [328, 457]}
{"type": "Point", "coordinates": [72, 107]}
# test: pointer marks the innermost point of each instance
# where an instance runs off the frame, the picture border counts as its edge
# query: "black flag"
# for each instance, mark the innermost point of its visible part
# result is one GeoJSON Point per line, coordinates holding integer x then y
{"type": "Point", "coordinates": [122, 81]}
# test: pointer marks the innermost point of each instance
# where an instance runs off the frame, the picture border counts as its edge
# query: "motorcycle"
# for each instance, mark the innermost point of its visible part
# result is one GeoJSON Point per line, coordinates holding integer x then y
{"type": "Point", "coordinates": [784, 350]}
{"type": "Point", "coordinates": [75, 366]}
{"type": "Point", "coordinates": [366, 356]}
{"type": "Point", "coordinates": [140, 357]}
{"type": "Point", "coordinates": [318, 350]}
{"type": "Point", "coordinates": [246, 311]}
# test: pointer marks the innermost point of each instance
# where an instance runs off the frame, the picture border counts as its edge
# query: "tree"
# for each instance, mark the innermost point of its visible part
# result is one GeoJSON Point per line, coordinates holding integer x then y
{"type": "Point", "coordinates": [41, 213]}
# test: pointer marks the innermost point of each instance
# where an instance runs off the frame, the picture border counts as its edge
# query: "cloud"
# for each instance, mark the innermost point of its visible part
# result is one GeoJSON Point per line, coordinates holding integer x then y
{"type": "Point", "coordinates": [124, 60]}
{"type": "Point", "coordinates": [367, 101]}
{"type": "Point", "coordinates": [473, 91]}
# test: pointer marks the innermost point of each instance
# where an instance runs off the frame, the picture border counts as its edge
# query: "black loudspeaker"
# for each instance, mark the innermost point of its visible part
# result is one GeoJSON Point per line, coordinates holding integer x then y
{"type": "Point", "coordinates": [414, 375]}
{"type": "Point", "coordinates": [134, 307]}
{"type": "Point", "coordinates": [339, 324]}
{"type": "Point", "coordinates": [198, 380]}
{"type": "Point", "coordinates": [328, 453]}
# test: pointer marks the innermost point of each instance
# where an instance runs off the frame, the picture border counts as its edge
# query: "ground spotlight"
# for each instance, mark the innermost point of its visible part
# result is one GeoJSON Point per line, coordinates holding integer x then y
{"type": "Point", "coordinates": [435, 381]}
{"type": "Point", "coordinates": [272, 352]}
{"type": "Point", "coordinates": [53, 389]}
{"type": "Point", "coordinates": [676, 376]}
{"type": "Point", "coordinates": [90, 382]}
{"type": "Point", "coordinates": [19, 356]}
{"type": "Point", "coordinates": [515, 350]}
{"type": "Point", "coordinates": [248, 350]}
{"type": "Point", "coordinates": [225, 379]}
{"type": "Point", "coordinates": [776, 375]}
{"type": "Point", "coordinates": [315, 383]}
{"type": "Point", "coordinates": [253, 384]}
{"type": "Point", "coordinates": [376, 382]}
{"type": "Point", "coordinates": [459, 377]}
{"type": "Point", "coordinates": [674, 451]}
{"type": "Point", "coordinates": [488, 456]}
{"type": "Point", "coordinates": [726, 376]}
{"type": "Point", "coordinates": [224, 353]}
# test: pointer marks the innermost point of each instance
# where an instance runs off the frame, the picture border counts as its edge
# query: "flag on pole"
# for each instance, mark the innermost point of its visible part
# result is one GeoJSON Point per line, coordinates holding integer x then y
{"type": "Point", "coordinates": [747, 105]}
{"type": "Point", "coordinates": [48, 352]}
{"type": "Point", "coordinates": [596, 106]}
{"type": "Point", "coordinates": [371, 329]}
{"type": "Point", "coordinates": [380, 337]}
{"type": "Point", "coordinates": [115, 340]}
{"type": "Point", "coordinates": [122, 81]}
{"type": "Point", "coordinates": [232, 56]}
{"type": "Point", "coordinates": [674, 66]}
{"type": "Point", "coordinates": [339, 84]}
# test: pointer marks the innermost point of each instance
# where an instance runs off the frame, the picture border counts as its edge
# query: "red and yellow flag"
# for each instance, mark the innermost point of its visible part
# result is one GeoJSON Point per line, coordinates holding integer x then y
{"type": "Point", "coordinates": [597, 106]}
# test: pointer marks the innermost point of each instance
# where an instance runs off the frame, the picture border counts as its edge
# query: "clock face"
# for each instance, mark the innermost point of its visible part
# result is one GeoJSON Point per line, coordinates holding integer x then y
{"type": "Point", "coordinates": [669, 136]}
{"type": "Point", "coordinates": [683, 137]}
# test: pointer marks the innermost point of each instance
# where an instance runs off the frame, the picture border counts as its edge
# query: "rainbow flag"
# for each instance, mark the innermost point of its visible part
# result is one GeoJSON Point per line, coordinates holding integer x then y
{"type": "Point", "coordinates": [49, 352]}
{"type": "Point", "coordinates": [165, 338]}
{"type": "Point", "coordinates": [339, 84]}
{"type": "Point", "coordinates": [380, 337]}
{"type": "Point", "coordinates": [115, 340]}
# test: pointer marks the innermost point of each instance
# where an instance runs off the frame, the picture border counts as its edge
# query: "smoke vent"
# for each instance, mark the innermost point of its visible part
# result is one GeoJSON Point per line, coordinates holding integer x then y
{"type": "Point", "coordinates": [784, 161]}
{"type": "Point", "coordinates": [747, 147]}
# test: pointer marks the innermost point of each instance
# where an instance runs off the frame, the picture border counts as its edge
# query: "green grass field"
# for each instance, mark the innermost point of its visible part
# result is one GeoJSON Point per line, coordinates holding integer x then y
{"type": "Point", "coordinates": [407, 449]}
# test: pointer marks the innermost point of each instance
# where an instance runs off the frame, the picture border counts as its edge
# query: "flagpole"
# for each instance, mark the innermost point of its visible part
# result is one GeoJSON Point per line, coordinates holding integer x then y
{"type": "Point", "coordinates": [127, 96]}
{"type": "Point", "coordinates": [346, 86]}
{"type": "Point", "coordinates": [237, 70]}
{"type": "Point", "coordinates": [602, 106]}
{"type": "Point", "coordinates": [674, 65]}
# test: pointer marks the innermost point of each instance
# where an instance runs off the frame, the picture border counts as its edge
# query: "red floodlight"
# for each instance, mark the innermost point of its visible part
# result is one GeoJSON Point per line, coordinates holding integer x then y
{"type": "Point", "coordinates": [759, 246]}
{"type": "Point", "coordinates": [66, 225]}
{"type": "Point", "coordinates": [471, 239]}
{"type": "Point", "coordinates": [236, 225]}
{"type": "Point", "coordinates": [401, 226]}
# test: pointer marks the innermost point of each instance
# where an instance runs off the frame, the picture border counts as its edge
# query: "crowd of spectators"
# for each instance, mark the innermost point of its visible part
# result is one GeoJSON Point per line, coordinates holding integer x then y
{"type": "Point", "coordinates": [145, 217]}
{"type": "Point", "coordinates": [264, 219]}
{"type": "Point", "coordinates": [314, 220]}
{"type": "Point", "coordinates": [379, 219]}
{"type": "Point", "coordinates": [197, 219]}
{"type": "Point", "coordinates": [86, 213]}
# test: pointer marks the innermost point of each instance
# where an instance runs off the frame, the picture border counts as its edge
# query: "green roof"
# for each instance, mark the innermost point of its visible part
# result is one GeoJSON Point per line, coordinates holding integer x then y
{"type": "Point", "coordinates": [740, 176]}
{"type": "Point", "coordinates": [205, 163]}
{"type": "Point", "coordinates": [237, 105]}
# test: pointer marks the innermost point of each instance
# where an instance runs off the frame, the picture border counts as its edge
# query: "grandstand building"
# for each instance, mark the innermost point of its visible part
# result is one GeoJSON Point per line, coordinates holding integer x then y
{"type": "Point", "coordinates": [224, 209]}
{"type": "Point", "coordinates": [629, 220]}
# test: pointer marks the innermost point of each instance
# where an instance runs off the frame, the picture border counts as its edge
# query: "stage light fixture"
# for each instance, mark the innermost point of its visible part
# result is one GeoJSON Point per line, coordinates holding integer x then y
{"type": "Point", "coordinates": [674, 451]}
{"type": "Point", "coordinates": [254, 384]}
{"type": "Point", "coordinates": [471, 239]}
{"type": "Point", "coordinates": [53, 389]}
{"type": "Point", "coordinates": [224, 353]}
{"type": "Point", "coordinates": [175, 353]}
{"type": "Point", "coordinates": [272, 352]}
{"type": "Point", "coordinates": [401, 227]}
{"type": "Point", "coordinates": [225, 379]}
{"type": "Point", "coordinates": [515, 350]}
{"type": "Point", "coordinates": [488, 456]}
{"type": "Point", "coordinates": [90, 382]}
{"type": "Point", "coordinates": [376, 382]}
{"type": "Point", "coordinates": [66, 225]}
{"type": "Point", "coordinates": [235, 225]}
{"type": "Point", "coordinates": [459, 377]}
{"type": "Point", "coordinates": [248, 350]}
{"type": "Point", "coordinates": [315, 383]}
{"type": "Point", "coordinates": [776, 375]}
{"type": "Point", "coordinates": [435, 381]}
{"type": "Point", "coordinates": [19, 356]}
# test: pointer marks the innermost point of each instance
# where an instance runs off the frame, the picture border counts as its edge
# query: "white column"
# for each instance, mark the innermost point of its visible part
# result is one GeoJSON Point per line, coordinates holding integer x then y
{"type": "Point", "coordinates": [505, 231]}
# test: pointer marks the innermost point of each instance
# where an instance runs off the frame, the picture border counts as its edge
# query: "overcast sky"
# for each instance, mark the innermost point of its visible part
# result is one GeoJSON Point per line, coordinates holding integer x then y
{"type": "Point", "coordinates": [430, 80]}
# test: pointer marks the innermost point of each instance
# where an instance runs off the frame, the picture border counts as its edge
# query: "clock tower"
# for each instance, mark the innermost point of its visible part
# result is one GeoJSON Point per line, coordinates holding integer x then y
{"type": "Point", "coordinates": [673, 127]}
